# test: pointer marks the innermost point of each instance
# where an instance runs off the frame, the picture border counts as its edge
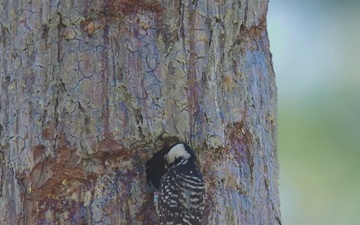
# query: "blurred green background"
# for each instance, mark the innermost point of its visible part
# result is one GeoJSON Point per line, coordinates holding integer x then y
{"type": "Point", "coordinates": [316, 55]}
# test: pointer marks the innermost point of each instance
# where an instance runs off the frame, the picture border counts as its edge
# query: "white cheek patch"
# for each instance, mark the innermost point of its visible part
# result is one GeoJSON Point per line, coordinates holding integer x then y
{"type": "Point", "coordinates": [176, 152]}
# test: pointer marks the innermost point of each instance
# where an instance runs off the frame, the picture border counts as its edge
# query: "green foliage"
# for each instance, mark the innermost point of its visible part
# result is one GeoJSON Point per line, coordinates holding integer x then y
{"type": "Point", "coordinates": [315, 47]}
{"type": "Point", "coordinates": [319, 142]}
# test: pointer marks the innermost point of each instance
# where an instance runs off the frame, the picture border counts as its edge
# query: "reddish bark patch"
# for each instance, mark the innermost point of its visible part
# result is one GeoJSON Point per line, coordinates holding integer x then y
{"type": "Point", "coordinates": [148, 215]}
{"type": "Point", "coordinates": [228, 82]}
{"type": "Point", "coordinates": [38, 153]}
{"type": "Point", "coordinates": [210, 196]}
{"type": "Point", "coordinates": [48, 134]}
{"type": "Point", "coordinates": [133, 6]}
{"type": "Point", "coordinates": [60, 186]}
{"type": "Point", "coordinates": [110, 149]}
{"type": "Point", "coordinates": [250, 37]}
{"type": "Point", "coordinates": [48, 173]}
{"type": "Point", "coordinates": [109, 145]}
{"type": "Point", "coordinates": [240, 140]}
{"type": "Point", "coordinates": [66, 200]}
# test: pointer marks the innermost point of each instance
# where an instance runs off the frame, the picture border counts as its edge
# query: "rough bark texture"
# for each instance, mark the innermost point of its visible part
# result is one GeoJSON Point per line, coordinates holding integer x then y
{"type": "Point", "coordinates": [91, 89]}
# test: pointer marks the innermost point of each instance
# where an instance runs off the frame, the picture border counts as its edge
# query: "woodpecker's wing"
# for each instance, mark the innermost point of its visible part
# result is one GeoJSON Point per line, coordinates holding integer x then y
{"type": "Point", "coordinates": [181, 199]}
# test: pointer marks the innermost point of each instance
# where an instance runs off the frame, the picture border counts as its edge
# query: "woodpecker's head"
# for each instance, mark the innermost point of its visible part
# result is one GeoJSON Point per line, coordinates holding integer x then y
{"type": "Point", "coordinates": [178, 154]}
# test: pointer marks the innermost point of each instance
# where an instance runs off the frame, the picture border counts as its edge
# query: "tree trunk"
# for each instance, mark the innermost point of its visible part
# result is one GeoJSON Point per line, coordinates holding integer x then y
{"type": "Point", "coordinates": [91, 89]}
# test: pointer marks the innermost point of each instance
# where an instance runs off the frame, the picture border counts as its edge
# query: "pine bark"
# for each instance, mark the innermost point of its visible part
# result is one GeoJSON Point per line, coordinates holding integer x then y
{"type": "Point", "coordinates": [91, 89]}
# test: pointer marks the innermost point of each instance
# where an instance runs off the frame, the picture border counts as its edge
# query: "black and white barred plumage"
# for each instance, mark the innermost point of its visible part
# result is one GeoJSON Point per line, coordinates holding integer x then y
{"type": "Point", "coordinates": [182, 188]}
